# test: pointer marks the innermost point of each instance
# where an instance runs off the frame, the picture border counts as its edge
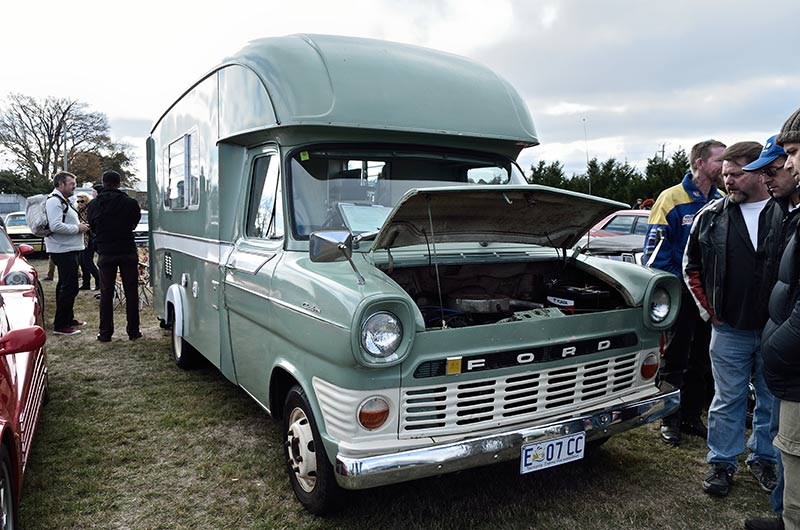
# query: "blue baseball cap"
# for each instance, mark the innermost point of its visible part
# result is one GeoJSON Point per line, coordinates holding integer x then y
{"type": "Point", "coordinates": [769, 154]}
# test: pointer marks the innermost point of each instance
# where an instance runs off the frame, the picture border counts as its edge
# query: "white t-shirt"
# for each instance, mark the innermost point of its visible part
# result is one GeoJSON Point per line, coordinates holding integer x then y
{"type": "Point", "coordinates": [751, 212]}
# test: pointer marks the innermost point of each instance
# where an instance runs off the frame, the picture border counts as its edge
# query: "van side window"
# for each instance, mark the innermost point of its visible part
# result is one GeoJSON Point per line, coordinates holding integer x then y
{"type": "Point", "coordinates": [261, 218]}
{"type": "Point", "coordinates": [183, 173]}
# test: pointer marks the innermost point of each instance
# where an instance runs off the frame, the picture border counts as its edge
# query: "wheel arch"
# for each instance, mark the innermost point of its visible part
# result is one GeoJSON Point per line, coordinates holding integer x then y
{"type": "Point", "coordinates": [176, 300]}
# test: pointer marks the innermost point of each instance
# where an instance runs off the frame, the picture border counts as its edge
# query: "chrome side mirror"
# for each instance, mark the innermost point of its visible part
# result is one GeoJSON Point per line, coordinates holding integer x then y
{"type": "Point", "coordinates": [333, 245]}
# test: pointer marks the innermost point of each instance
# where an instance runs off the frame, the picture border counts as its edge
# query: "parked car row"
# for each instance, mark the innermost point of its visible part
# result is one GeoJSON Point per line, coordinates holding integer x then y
{"type": "Point", "coordinates": [17, 229]}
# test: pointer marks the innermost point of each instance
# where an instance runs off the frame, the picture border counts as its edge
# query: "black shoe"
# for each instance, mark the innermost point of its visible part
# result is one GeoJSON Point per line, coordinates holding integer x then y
{"type": "Point", "coordinates": [719, 479]}
{"type": "Point", "coordinates": [83, 288]}
{"type": "Point", "coordinates": [763, 523]}
{"type": "Point", "coordinates": [103, 338]}
{"type": "Point", "coordinates": [765, 474]}
{"type": "Point", "coordinates": [694, 427]}
{"type": "Point", "coordinates": [670, 430]}
{"type": "Point", "coordinates": [134, 336]}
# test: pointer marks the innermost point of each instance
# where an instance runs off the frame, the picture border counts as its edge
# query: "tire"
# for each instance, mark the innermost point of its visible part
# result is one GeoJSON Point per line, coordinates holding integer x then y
{"type": "Point", "coordinates": [310, 471]}
{"type": "Point", "coordinates": [8, 504]}
{"type": "Point", "coordinates": [40, 295]}
{"type": "Point", "coordinates": [183, 353]}
{"type": "Point", "coordinates": [597, 443]}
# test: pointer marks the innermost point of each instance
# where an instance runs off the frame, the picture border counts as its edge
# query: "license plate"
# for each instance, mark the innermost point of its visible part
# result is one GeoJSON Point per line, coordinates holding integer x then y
{"type": "Point", "coordinates": [551, 453]}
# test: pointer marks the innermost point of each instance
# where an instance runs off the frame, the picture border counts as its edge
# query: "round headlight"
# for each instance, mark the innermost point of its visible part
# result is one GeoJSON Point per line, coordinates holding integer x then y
{"type": "Point", "coordinates": [659, 305]}
{"type": "Point", "coordinates": [16, 278]}
{"type": "Point", "coordinates": [381, 334]}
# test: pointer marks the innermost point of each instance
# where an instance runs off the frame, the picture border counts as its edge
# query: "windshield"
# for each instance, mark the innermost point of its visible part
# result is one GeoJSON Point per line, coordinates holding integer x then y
{"type": "Point", "coordinates": [16, 220]}
{"type": "Point", "coordinates": [334, 189]}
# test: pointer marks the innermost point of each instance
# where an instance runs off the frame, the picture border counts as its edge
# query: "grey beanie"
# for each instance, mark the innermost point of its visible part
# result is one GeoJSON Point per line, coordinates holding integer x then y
{"type": "Point", "coordinates": [790, 133]}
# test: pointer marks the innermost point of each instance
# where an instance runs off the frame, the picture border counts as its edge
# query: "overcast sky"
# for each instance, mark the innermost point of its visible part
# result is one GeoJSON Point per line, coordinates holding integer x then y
{"type": "Point", "coordinates": [602, 78]}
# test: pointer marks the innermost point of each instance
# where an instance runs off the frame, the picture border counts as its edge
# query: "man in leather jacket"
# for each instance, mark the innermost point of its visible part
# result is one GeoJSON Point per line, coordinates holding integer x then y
{"type": "Point", "coordinates": [724, 267]}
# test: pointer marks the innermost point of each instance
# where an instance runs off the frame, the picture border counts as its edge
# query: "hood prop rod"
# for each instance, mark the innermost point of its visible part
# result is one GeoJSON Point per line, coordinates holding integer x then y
{"type": "Point", "coordinates": [436, 262]}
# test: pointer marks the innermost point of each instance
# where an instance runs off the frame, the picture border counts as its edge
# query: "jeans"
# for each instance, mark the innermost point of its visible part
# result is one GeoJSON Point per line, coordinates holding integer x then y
{"type": "Point", "coordinates": [128, 265]}
{"type": "Point", "coordinates": [735, 355]}
{"type": "Point", "coordinates": [88, 268]}
{"type": "Point", "coordinates": [788, 441]}
{"type": "Point", "coordinates": [66, 288]}
{"type": "Point", "coordinates": [776, 497]}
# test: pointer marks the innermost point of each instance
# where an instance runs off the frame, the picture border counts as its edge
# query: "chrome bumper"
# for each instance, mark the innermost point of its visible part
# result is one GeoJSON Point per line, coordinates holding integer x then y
{"type": "Point", "coordinates": [369, 472]}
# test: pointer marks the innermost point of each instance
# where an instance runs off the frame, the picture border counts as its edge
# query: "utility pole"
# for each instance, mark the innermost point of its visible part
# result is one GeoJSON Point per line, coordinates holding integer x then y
{"type": "Point", "coordinates": [586, 148]}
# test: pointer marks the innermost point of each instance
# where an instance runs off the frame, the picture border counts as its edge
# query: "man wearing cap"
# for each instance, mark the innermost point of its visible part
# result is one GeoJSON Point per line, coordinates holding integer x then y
{"type": "Point", "coordinates": [724, 267]}
{"type": "Point", "coordinates": [686, 355]}
{"type": "Point", "coordinates": [781, 353]}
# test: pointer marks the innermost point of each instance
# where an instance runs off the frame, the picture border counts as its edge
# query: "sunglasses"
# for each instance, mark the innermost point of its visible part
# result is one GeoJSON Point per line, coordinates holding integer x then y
{"type": "Point", "coordinates": [80, 202]}
{"type": "Point", "coordinates": [771, 171]}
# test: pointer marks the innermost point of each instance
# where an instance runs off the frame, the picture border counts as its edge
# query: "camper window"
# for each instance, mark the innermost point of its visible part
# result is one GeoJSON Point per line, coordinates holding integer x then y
{"type": "Point", "coordinates": [260, 218]}
{"type": "Point", "coordinates": [183, 166]}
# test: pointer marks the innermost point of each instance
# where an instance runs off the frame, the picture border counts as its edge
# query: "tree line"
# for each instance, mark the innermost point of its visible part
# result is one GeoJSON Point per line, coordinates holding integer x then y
{"type": "Point", "coordinates": [613, 179]}
{"type": "Point", "coordinates": [39, 137]}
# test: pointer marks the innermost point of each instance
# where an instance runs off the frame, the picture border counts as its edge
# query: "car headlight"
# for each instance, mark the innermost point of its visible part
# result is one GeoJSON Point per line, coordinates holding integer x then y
{"type": "Point", "coordinates": [659, 305]}
{"type": "Point", "coordinates": [17, 278]}
{"type": "Point", "coordinates": [381, 334]}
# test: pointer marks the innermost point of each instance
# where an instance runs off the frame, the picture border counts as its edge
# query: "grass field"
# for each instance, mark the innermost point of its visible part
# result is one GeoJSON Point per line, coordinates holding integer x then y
{"type": "Point", "coordinates": [130, 441]}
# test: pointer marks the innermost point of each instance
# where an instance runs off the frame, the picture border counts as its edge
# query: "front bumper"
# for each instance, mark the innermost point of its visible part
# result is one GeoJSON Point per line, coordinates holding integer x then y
{"type": "Point", "coordinates": [369, 472]}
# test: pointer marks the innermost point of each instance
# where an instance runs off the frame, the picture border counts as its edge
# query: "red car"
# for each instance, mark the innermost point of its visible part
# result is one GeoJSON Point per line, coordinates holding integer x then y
{"type": "Point", "coordinates": [622, 222]}
{"type": "Point", "coordinates": [14, 270]}
{"type": "Point", "coordinates": [23, 390]}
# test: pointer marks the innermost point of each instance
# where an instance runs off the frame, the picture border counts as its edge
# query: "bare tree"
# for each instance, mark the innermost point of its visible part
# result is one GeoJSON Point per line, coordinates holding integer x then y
{"type": "Point", "coordinates": [36, 132]}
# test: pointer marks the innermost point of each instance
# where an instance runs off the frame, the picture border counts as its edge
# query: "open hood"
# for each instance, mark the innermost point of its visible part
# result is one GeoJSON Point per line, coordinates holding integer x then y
{"type": "Point", "coordinates": [529, 214]}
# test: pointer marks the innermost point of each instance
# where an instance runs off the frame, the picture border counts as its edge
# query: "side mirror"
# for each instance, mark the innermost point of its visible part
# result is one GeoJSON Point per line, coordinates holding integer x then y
{"type": "Point", "coordinates": [24, 249]}
{"type": "Point", "coordinates": [330, 245]}
{"type": "Point", "coordinates": [333, 245]}
{"type": "Point", "coordinates": [23, 339]}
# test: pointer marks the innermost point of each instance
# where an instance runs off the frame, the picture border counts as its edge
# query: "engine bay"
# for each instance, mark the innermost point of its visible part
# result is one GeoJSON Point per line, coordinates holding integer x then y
{"type": "Point", "coordinates": [486, 293]}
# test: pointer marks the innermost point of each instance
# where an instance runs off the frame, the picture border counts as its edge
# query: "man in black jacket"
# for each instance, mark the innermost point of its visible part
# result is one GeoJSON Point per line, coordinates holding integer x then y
{"type": "Point", "coordinates": [781, 352]}
{"type": "Point", "coordinates": [113, 216]}
{"type": "Point", "coordinates": [723, 269]}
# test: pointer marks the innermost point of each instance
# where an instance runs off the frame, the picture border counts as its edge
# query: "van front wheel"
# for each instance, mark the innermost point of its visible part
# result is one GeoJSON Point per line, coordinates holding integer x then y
{"type": "Point", "coordinates": [310, 472]}
{"type": "Point", "coordinates": [183, 353]}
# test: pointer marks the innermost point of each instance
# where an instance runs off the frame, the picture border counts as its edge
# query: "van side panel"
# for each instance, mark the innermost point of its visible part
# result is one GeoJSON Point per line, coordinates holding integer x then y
{"type": "Point", "coordinates": [188, 231]}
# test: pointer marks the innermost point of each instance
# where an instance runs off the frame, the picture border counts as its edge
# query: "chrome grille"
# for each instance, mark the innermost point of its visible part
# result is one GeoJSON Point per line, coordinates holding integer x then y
{"type": "Point", "coordinates": [460, 407]}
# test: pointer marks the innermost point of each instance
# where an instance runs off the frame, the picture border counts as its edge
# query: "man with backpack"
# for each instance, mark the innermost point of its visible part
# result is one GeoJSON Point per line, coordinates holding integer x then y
{"type": "Point", "coordinates": [64, 244]}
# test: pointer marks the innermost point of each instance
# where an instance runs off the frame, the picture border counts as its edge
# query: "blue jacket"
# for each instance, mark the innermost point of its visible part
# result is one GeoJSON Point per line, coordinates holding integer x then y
{"type": "Point", "coordinates": [672, 215]}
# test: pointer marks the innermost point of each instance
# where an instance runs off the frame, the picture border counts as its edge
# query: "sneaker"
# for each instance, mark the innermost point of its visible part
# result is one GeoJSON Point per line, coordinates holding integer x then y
{"type": "Point", "coordinates": [763, 523]}
{"type": "Point", "coordinates": [103, 338]}
{"type": "Point", "coordinates": [670, 430]}
{"type": "Point", "coordinates": [765, 474]}
{"type": "Point", "coordinates": [719, 479]}
{"type": "Point", "coordinates": [66, 331]}
{"type": "Point", "coordinates": [77, 323]}
{"type": "Point", "coordinates": [134, 336]}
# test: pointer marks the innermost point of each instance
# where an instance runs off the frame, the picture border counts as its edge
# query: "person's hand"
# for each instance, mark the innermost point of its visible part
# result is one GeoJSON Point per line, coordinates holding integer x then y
{"type": "Point", "coordinates": [715, 321]}
{"type": "Point", "coordinates": [83, 228]}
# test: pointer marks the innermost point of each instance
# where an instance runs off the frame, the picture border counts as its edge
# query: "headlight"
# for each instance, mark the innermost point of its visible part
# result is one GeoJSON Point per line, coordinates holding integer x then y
{"type": "Point", "coordinates": [17, 278]}
{"type": "Point", "coordinates": [659, 305]}
{"type": "Point", "coordinates": [381, 334]}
